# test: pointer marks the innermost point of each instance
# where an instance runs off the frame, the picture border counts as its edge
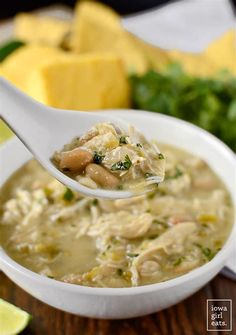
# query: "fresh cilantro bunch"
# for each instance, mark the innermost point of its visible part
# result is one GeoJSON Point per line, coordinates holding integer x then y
{"type": "Point", "coordinates": [207, 102]}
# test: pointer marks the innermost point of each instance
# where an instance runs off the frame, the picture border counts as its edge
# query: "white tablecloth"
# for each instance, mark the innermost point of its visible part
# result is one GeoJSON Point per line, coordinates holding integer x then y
{"type": "Point", "coordinates": [188, 25]}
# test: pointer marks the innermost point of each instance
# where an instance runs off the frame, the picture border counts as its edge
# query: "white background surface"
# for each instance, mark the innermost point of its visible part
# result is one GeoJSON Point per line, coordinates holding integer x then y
{"type": "Point", "coordinates": [188, 25]}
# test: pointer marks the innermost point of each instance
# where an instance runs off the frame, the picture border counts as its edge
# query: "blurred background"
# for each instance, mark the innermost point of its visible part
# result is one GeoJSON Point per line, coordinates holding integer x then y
{"type": "Point", "coordinates": [178, 57]}
{"type": "Point", "coordinates": [122, 6]}
{"type": "Point", "coordinates": [10, 8]}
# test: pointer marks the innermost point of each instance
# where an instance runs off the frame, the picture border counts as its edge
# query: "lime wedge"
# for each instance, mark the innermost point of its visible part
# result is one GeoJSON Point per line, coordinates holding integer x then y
{"type": "Point", "coordinates": [5, 132]}
{"type": "Point", "coordinates": [12, 319]}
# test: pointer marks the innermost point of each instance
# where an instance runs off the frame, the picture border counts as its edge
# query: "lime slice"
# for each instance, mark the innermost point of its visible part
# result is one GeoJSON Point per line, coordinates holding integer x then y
{"type": "Point", "coordinates": [5, 132]}
{"type": "Point", "coordinates": [12, 319]}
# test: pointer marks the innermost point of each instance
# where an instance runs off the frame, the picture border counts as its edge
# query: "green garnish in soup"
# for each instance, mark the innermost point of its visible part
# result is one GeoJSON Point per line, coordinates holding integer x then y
{"type": "Point", "coordinates": [107, 157]}
{"type": "Point", "coordinates": [68, 195]}
{"type": "Point", "coordinates": [179, 226]}
{"type": "Point", "coordinates": [122, 166]}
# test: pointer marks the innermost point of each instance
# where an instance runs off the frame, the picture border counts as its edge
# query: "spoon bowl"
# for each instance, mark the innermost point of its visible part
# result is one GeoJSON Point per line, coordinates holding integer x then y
{"type": "Point", "coordinates": [44, 130]}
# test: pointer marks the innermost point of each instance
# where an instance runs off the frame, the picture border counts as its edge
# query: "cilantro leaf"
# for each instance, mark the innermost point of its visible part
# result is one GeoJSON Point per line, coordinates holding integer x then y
{"type": "Point", "coordinates": [207, 102]}
{"type": "Point", "coordinates": [122, 166]}
{"type": "Point", "coordinates": [68, 195]}
{"type": "Point", "coordinates": [98, 157]}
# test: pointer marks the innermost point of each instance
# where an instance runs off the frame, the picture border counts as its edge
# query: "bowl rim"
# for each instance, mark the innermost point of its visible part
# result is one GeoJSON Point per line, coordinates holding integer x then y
{"type": "Point", "coordinates": [219, 259]}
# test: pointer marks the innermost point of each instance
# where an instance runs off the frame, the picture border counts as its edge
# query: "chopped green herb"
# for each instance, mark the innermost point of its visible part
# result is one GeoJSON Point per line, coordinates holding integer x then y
{"type": "Point", "coordinates": [151, 195]}
{"type": "Point", "coordinates": [94, 202]}
{"type": "Point", "coordinates": [127, 162]}
{"type": "Point", "coordinates": [98, 157]}
{"type": "Point", "coordinates": [51, 277]}
{"type": "Point", "coordinates": [107, 248]}
{"type": "Point", "coordinates": [8, 48]}
{"type": "Point", "coordinates": [178, 261]}
{"type": "Point", "coordinates": [139, 145]}
{"type": "Point", "coordinates": [130, 254]}
{"type": "Point", "coordinates": [123, 140]}
{"type": "Point", "coordinates": [117, 166]}
{"type": "Point", "coordinates": [122, 166]}
{"type": "Point", "coordinates": [119, 272]}
{"type": "Point", "coordinates": [160, 222]}
{"type": "Point", "coordinates": [178, 173]}
{"type": "Point", "coordinates": [47, 191]}
{"type": "Point", "coordinates": [161, 156]}
{"type": "Point", "coordinates": [153, 237]}
{"type": "Point", "coordinates": [207, 252]}
{"type": "Point", "coordinates": [68, 195]}
{"type": "Point", "coordinates": [208, 102]}
{"type": "Point", "coordinates": [120, 187]}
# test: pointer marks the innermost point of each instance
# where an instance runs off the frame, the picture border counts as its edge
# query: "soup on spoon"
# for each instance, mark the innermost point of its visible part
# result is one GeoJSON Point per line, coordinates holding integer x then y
{"type": "Point", "coordinates": [110, 158]}
{"type": "Point", "coordinates": [34, 123]}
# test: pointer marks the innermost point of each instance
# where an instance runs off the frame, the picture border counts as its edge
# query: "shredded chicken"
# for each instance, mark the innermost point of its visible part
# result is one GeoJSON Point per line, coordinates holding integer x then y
{"type": "Point", "coordinates": [117, 243]}
{"type": "Point", "coordinates": [122, 224]}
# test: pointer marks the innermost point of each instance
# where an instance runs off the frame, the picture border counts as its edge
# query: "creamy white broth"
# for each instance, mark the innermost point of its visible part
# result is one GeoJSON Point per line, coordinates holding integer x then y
{"type": "Point", "coordinates": [147, 239]}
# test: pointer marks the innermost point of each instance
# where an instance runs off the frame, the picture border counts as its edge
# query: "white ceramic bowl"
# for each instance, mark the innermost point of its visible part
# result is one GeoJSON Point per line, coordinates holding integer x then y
{"type": "Point", "coordinates": [117, 303]}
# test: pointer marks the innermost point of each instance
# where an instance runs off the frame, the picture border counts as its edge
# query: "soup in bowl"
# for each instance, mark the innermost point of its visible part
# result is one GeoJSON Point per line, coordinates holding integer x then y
{"type": "Point", "coordinates": [119, 251]}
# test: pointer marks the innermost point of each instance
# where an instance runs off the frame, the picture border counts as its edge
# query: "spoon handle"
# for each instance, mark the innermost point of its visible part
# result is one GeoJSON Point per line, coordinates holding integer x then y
{"type": "Point", "coordinates": [20, 112]}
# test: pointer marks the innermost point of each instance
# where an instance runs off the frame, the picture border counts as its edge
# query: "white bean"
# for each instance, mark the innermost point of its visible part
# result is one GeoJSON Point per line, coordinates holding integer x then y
{"type": "Point", "coordinates": [75, 160]}
{"type": "Point", "coordinates": [101, 176]}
